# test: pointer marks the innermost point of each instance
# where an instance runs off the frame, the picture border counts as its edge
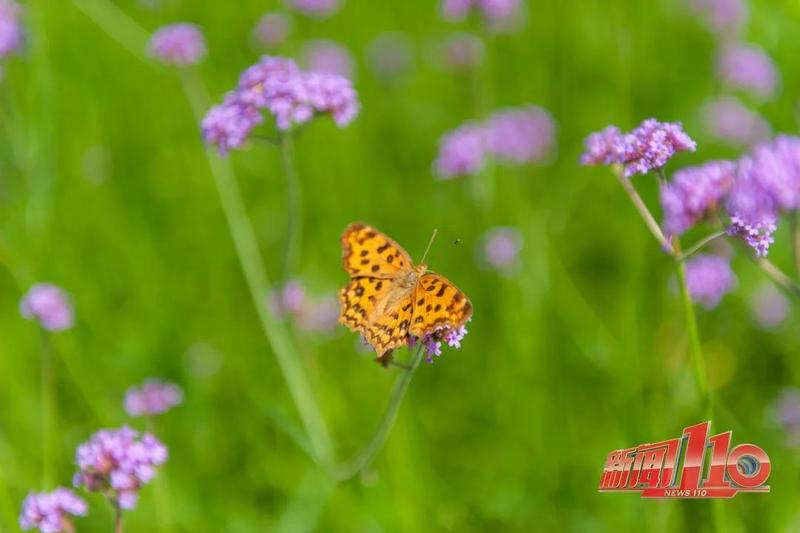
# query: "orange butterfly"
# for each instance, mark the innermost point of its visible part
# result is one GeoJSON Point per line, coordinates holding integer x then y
{"type": "Point", "coordinates": [389, 299]}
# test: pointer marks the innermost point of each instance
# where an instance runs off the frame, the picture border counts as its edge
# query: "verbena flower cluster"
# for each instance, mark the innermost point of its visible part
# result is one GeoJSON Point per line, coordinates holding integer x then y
{"type": "Point", "coordinates": [721, 16]}
{"type": "Point", "coordinates": [695, 192]}
{"type": "Point", "coordinates": [747, 68]}
{"type": "Point", "coordinates": [11, 33]}
{"type": "Point", "coordinates": [329, 57]}
{"type": "Point", "coordinates": [320, 314]}
{"type": "Point", "coordinates": [49, 512]}
{"type": "Point", "coordinates": [709, 278]}
{"type": "Point", "coordinates": [117, 463]}
{"type": "Point", "coordinates": [462, 52]}
{"type": "Point", "coordinates": [49, 305]}
{"type": "Point", "coordinates": [316, 8]}
{"type": "Point", "coordinates": [727, 119]}
{"type": "Point", "coordinates": [646, 148]}
{"type": "Point", "coordinates": [495, 12]}
{"type": "Point", "coordinates": [452, 337]}
{"type": "Point", "coordinates": [272, 29]}
{"type": "Point", "coordinates": [278, 86]}
{"type": "Point", "coordinates": [787, 413]}
{"type": "Point", "coordinates": [152, 397]}
{"type": "Point", "coordinates": [500, 248]}
{"type": "Point", "coordinates": [179, 45]}
{"type": "Point", "coordinates": [512, 136]}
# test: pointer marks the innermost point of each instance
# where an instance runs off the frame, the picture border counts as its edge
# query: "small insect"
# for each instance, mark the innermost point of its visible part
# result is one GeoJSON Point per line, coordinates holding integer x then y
{"type": "Point", "coordinates": [456, 242]}
{"type": "Point", "coordinates": [388, 299]}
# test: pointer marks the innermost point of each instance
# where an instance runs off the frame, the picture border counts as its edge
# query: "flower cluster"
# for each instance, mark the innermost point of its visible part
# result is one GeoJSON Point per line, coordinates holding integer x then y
{"type": "Point", "coordinates": [11, 34]}
{"type": "Point", "coordinates": [462, 52]}
{"type": "Point", "coordinates": [496, 12]}
{"type": "Point", "coordinates": [49, 305]}
{"type": "Point", "coordinates": [694, 192]}
{"type": "Point", "coordinates": [728, 120]}
{"type": "Point", "coordinates": [292, 96]}
{"type": "Point", "coordinates": [646, 148]}
{"type": "Point", "coordinates": [316, 8]}
{"type": "Point", "coordinates": [757, 235]}
{"type": "Point", "coordinates": [433, 341]}
{"type": "Point", "coordinates": [747, 68]}
{"type": "Point", "coordinates": [152, 397]}
{"type": "Point", "coordinates": [179, 45]}
{"type": "Point", "coordinates": [500, 248]}
{"type": "Point", "coordinates": [272, 29]}
{"type": "Point", "coordinates": [318, 314]}
{"type": "Point", "coordinates": [49, 511]}
{"type": "Point", "coordinates": [118, 463]}
{"type": "Point", "coordinates": [329, 57]}
{"type": "Point", "coordinates": [515, 136]}
{"type": "Point", "coordinates": [709, 278]}
{"type": "Point", "coordinates": [389, 55]}
{"type": "Point", "coordinates": [787, 413]}
{"type": "Point", "coordinates": [721, 16]}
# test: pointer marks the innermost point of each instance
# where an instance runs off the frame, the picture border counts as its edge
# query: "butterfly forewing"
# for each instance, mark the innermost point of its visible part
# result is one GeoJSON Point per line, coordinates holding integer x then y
{"type": "Point", "coordinates": [368, 252]}
{"type": "Point", "coordinates": [438, 303]}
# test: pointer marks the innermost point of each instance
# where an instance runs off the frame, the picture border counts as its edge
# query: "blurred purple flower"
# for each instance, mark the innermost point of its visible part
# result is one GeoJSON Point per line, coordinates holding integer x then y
{"type": "Point", "coordinates": [694, 192]}
{"type": "Point", "coordinates": [721, 16]}
{"type": "Point", "coordinates": [288, 300]}
{"type": "Point", "coordinates": [463, 52]}
{"type": "Point", "coordinates": [520, 136]}
{"type": "Point", "coordinates": [118, 462]}
{"type": "Point", "coordinates": [600, 147]}
{"type": "Point", "coordinates": [49, 305]}
{"type": "Point", "coordinates": [757, 235]}
{"type": "Point", "coordinates": [777, 170]}
{"type": "Point", "coordinates": [292, 96]}
{"type": "Point", "coordinates": [179, 45]}
{"type": "Point", "coordinates": [328, 57]}
{"type": "Point", "coordinates": [48, 511]}
{"type": "Point", "coordinates": [650, 146]}
{"type": "Point", "coordinates": [498, 13]}
{"type": "Point", "coordinates": [389, 55]}
{"type": "Point", "coordinates": [500, 248]}
{"type": "Point", "coordinates": [272, 29]}
{"type": "Point", "coordinates": [152, 397]}
{"type": "Point", "coordinates": [770, 307]}
{"type": "Point", "coordinates": [11, 33]}
{"type": "Point", "coordinates": [709, 278]}
{"type": "Point", "coordinates": [748, 68]}
{"type": "Point", "coordinates": [320, 316]}
{"type": "Point", "coordinates": [316, 8]}
{"type": "Point", "coordinates": [461, 151]}
{"type": "Point", "coordinates": [787, 412]}
{"type": "Point", "coordinates": [727, 119]}
{"type": "Point", "coordinates": [433, 341]}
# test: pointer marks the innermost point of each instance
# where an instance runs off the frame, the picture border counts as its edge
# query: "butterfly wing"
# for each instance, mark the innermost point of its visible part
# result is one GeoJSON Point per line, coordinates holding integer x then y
{"type": "Point", "coordinates": [368, 252]}
{"type": "Point", "coordinates": [438, 303]}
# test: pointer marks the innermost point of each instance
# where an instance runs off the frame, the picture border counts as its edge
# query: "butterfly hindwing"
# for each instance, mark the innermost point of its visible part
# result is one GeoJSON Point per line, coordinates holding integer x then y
{"type": "Point", "coordinates": [368, 252]}
{"type": "Point", "coordinates": [438, 303]}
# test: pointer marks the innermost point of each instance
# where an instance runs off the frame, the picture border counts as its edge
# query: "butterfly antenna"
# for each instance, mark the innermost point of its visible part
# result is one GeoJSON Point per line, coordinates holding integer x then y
{"type": "Point", "coordinates": [430, 242]}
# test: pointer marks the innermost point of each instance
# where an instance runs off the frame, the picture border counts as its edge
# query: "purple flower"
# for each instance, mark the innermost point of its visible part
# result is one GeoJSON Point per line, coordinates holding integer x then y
{"type": "Point", "coordinates": [389, 55]}
{"type": "Point", "coordinates": [694, 192]}
{"type": "Point", "coordinates": [321, 315]}
{"type": "Point", "coordinates": [316, 8]}
{"type": "Point", "coordinates": [770, 307]}
{"type": "Point", "coordinates": [49, 305]}
{"type": "Point", "coordinates": [650, 146]}
{"type": "Point", "coordinates": [461, 151]}
{"type": "Point", "coordinates": [463, 52]}
{"type": "Point", "coordinates": [11, 34]}
{"type": "Point", "coordinates": [709, 278]}
{"type": "Point", "coordinates": [289, 300]}
{"type": "Point", "coordinates": [48, 511]}
{"type": "Point", "coordinates": [179, 45]}
{"type": "Point", "coordinates": [498, 13]}
{"type": "Point", "coordinates": [777, 170]}
{"type": "Point", "coordinates": [328, 57]}
{"type": "Point", "coordinates": [600, 147]}
{"type": "Point", "coordinates": [758, 235]}
{"type": "Point", "coordinates": [433, 341]}
{"type": "Point", "coordinates": [272, 29]}
{"type": "Point", "coordinates": [721, 16]}
{"type": "Point", "coordinates": [152, 397]}
{"type": "Point", "coordinates": [520, 135]}
{"type": "Point", "coordinates": [500, 248]}
{"type": "Point", "coordinates": [118, 462]}
{"type": "Point", "coordinates": [228, 125]}
{"type": "Point", "coordinates": [748, 68]}
{"type": "Point", "coordinates": [787, 412]}
{"type": "Point", "coordinates": [727, 119]}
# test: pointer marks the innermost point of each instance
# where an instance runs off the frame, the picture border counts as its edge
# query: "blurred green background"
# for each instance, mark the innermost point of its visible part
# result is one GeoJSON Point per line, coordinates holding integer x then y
{"type": "Point", "coordinates": [105, 190]}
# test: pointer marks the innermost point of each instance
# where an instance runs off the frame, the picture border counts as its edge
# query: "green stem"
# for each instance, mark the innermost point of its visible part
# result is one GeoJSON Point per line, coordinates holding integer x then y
{"type": "Point", "coordinates": [246, 245]}
{"type": "Point", "coordinates": [794, 223]}
{"type": "Point", "coordinates": [294, 231]}
{"type": "Point", "coordinates": [365, 457]}
{"type": "Point", "coordinates": [49, 407]}
{"type": "Point", "coordinates": [701, 244]}
{"type": "Point", "coordinates": [118, 519]}
{"type": "Point", "coordinates": [641, 207]}
{"type": "Point", "coordinates": [784, 282]}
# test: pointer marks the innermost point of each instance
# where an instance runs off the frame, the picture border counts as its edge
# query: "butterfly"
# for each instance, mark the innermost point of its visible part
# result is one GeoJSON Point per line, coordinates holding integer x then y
{"type": "Point", "coordinates": [389, 300]}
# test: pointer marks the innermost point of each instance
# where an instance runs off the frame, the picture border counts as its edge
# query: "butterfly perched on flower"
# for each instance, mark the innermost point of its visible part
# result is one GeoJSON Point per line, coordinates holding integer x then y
{"type": "Point", "coordinates": [389, 300]}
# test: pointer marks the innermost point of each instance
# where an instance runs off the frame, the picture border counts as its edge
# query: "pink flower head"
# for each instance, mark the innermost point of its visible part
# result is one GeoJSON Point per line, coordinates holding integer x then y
{"type": "Point", "coordinates": [389, 55]}
{"type": "Point", "coordinates": [695, 192]}
{"type": "Point", "coordinates": [770, 307]}
{"type": "Point", "coordinates": [500, 248]}
{"type": "Point", "coordinates": [11, 33]}
{"type": "Point", "coordinates": [289, 300]}
{"type": "Point", "coordinates": [462, 52]}
{"type": "Point", "coordinates": [721, 16]}
{"type": "Point", "coordinates": [727, 119]}
{"type": "Point", "coordinates": [272, 29]}
{"type": "Point", "coordinates": [320, 315]}
{"type": "Point", "coordinates": [600, 147]}
{"type": "Point", "coordinates": [497, 13]}
{"type": "Point", "coordinates": [520, 136]}
{"type": "Point", "coordinates": [748, 68]}
{"type": "Point", "coordinates": [152, 397]}
{"type": "Point", "coordinates": [317, 8]}
{"type": "Point", "coordinates": [118, 462]}
{"type": "Point", "coordinates": [49, 305]}
{"type": "Point", "coordinates": [49, 511]}
{"type": "Point", "coordinates": [757, 235]}
{"type": "Point", "coordinates": [328, 57]}
{"type": "Point", "coordinates": [229, 124]}
{"type": "Point", "coordinates": [179, 45]}
{"type": "Point", "coordinates": [461, 151]}
{"type": "Point", "coordinates": [650, 146]}
{"type": "Point", "coordinates": [433, 341]}
{"type": "Point", "coordinates": [709, 278]}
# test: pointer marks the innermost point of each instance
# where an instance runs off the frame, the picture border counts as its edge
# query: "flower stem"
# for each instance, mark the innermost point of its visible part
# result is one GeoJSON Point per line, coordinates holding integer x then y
{"type": "Point", "coordinates": [794, 224]}
{"type": "Point", "coordinates": [294, 231]}
{"type": "Point", "coordinates": [778, 277]}
{"type": "Point", "coordinates": [640, 206]}
{"type": "Point", "coordinates": [118, 519]}
{"type": "Point", "coordinates": [365, 457]}
{"type": "Point", "coordinates": [246, 246]}
{"type": "Point", "coordinates": [49, 407]}
{"type": "Point", "coordinates": [701, 244]}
